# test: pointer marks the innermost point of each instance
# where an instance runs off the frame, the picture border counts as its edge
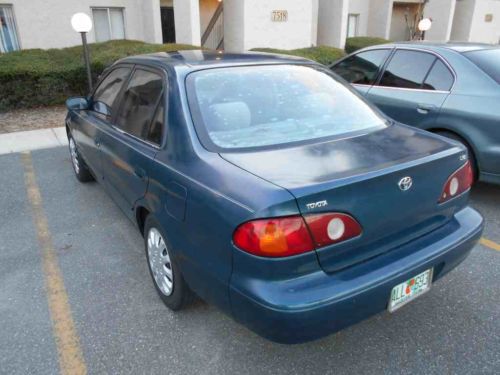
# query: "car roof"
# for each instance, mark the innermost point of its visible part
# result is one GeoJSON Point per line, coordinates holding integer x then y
{"type": "Point", "coordinates": [197, 59]}
{"type": "Point", "coordinates": [455, 46]}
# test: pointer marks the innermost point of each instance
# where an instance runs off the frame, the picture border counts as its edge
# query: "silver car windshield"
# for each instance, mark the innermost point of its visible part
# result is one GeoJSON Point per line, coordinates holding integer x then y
{"type": "Point", "coordinates": [248, 107]}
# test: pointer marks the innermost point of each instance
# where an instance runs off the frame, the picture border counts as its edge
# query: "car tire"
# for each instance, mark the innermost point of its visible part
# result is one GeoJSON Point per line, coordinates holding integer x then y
{"type": "Point", "coordinates": [163, 268]}
{"type": "Point", "coordinates": [82, 171]}
{"type": "Point", "coordinates": [470, 151]}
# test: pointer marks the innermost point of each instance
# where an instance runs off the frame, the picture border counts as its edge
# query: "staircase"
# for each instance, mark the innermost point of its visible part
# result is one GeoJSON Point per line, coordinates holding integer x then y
{"type": "Point", "coordinates": [213, 37]}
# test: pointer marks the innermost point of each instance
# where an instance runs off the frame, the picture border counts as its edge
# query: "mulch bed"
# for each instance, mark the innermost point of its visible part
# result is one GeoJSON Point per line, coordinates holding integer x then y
{"type": "Point", "coordinates": [32, 119]}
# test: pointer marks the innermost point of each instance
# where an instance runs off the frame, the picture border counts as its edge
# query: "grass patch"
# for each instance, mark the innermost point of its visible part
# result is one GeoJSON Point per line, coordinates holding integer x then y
{"type": "Point", "coordinates": [322, 54]}
{"type": "Point", "coordinates": [353, 44]}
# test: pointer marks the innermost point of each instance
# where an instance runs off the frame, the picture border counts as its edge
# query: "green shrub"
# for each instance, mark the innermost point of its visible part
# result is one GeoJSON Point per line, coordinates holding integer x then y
{"type": "Point", "coordinates": [36, 77]}
{"type": "Point", "coordinates": [322, 54]}
{"type": "Point", "coordinates": [353, 44]}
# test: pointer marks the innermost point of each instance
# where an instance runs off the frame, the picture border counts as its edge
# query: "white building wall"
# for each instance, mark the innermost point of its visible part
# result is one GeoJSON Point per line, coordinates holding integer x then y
{"type": "Point", "coordinates": [332, 22]}
{"type": "Point", "coordinates": [462, 20]}
{"type": "Point", "coordinates": [482, 31]}
{"type": "Point", "coordinates": [314, 23]}
{"type": "Point", "coordinates": [151, 20]}
{"type": "Point", "coordinates": [234, 25]}
{"type": "Point", "coordinates": [258, 29]}
{"type": "Point", "coordinates": [378, 18]}
{"type": "Point", "coordinates": [362, 8]}
{"type": "Point", "coordinates": [47, 23]}
{"type": "Point", "coordinates": [187, 22]}
{"type": "Point", "coordinates": [442, 14]}
{"type": "Point", "coordinates": [261, 31]}
{"type": "Point", "coordinates": [379, 22]}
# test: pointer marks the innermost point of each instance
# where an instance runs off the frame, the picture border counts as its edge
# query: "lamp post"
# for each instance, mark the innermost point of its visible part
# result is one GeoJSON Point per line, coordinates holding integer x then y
{"type": "Point", "coordinates": [82, 24]}
{"type": "Point", "coordinates": [424, 25]}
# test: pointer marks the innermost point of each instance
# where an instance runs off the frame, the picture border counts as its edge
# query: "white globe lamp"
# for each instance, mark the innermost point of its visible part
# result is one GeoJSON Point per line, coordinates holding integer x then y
{"type": "Point", "coordinates": [82, 24]}
{"type": "Point", "coordinates": [425, 24]}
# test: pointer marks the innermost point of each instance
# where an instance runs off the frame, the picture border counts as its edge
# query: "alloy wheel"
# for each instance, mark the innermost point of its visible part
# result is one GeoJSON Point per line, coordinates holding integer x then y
{"type": "Point", "coordinates": [159, 262]}
{"type": "Point", "coordinates": [74, 155]}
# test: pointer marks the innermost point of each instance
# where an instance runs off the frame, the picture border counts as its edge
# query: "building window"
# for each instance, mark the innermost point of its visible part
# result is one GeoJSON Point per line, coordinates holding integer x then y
{"type": "Point", "coordinates": [352, 25]}
{"type": "Point", "coordinates": [8, 32]}
{"type": "Point", "coordinates": [108, 24]}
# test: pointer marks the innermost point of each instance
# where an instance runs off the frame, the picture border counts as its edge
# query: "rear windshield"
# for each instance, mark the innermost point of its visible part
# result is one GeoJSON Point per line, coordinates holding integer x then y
{"type": "Point", "coordinates": [266, 106]}
{"type": "Point", "coordinates": [488, 60]}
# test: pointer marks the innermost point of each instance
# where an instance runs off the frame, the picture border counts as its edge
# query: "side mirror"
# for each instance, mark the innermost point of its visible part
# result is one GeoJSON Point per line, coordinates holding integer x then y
{"type": "Point", "coordinates": [77, 103]}
{"type": "Point", "coordinates": [101, 108]}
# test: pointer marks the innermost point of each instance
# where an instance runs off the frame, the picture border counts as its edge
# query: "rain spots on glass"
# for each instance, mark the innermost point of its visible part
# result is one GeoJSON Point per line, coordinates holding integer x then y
{"type": "Point", "coordinates": [277, 104]}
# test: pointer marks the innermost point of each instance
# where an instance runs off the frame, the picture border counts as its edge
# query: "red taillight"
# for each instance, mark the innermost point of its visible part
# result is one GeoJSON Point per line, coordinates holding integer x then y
{"type": "Point", "coordinates": [285, 236]}
{"type": "Point", "coordinates": [457, 183]}
{"type": "Point", "coordinates": [330, 228]}
{"type": "Point", "coordinates": [277, 237]}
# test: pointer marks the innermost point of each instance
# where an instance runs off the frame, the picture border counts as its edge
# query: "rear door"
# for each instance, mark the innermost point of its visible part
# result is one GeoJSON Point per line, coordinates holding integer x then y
{"type": "Point", "coordinates": [413, 87]}
{"type": "Point", "coordinates": [91, 123]}
{"type": "Point", "coordinates": [130, 145]}
{"type": "Point", "coordinates": [362, 69]}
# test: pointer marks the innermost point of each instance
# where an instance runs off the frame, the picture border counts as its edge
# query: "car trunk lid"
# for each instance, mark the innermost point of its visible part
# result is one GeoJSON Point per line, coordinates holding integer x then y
{"type": "Point", "coordinates": [361, 176]}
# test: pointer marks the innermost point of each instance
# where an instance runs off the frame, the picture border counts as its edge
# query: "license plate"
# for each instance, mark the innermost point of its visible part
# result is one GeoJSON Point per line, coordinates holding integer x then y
{"type": "Point", "coordinates": [409, 290]}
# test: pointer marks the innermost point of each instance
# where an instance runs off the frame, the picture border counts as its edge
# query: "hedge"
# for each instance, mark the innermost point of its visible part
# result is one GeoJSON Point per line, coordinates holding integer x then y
{"type": "Point", "coordinates": [322, 54]}
{"type": "Point", "coordinates": [36, 77]}
{"type": "Point", "coordinates": [353, 44]}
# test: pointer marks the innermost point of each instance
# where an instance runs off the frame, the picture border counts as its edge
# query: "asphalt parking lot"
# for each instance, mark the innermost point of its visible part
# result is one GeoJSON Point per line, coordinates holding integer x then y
{"type": "Point", "coordinates": [75, 290]}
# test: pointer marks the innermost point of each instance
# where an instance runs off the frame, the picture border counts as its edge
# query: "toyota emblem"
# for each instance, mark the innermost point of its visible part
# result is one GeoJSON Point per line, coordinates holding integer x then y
{"type": "Point", "coordinates": [405, 183]}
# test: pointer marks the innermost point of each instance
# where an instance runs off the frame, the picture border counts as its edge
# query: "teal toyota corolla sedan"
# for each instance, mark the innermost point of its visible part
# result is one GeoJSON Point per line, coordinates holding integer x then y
{"type": "Point", "coordinates": [449, 89]}
{"type": "Point", "coordinates": [272, 190]}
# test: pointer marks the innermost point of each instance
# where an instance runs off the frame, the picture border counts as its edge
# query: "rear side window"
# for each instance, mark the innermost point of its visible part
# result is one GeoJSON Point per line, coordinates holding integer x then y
{"type": "Point", "coordinates": [106, 94]}
{"type": "Point", "coordinates": [439, 78]}
{"type": "Point", "coordinates": [361, 68]}
{"type": "Point", "coordinates": [139, 103]}
{"type": "Point", "coordinates": [488, 61]}
{"type": "Point", "coordinates": [407, 69]}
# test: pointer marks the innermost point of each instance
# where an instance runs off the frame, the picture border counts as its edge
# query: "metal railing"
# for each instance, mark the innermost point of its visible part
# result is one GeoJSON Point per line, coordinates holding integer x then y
{"type": "Point", "coordinates": [213, 37]}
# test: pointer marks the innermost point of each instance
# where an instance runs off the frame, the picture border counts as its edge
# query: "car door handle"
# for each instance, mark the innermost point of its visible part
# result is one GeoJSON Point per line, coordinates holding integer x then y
{"type": "Point", "coordinates": [141, 173]}
{"type": "Point", "coordinates": [425, 108]}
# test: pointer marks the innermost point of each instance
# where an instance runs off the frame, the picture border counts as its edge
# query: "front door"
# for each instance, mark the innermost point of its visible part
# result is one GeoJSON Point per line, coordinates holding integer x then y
{"type": "Point", "coordinates": [167, 24]}
{"type": "Point", "coordinates": [413, 87]}
{"type": "Point", "coordinates": [91, 124]}
{"type": "Point", "coordinates": [131, 144]}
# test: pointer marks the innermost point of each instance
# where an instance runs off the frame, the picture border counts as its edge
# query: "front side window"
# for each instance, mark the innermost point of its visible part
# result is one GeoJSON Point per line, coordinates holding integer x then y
{"type": "Point", "coordinates": [8, 33]}
{"type": "Point", "coordinates": [108, 24]}
{"type": "Point", "coordinates": [104, 100]}
{"type": "Point", "coordinates": [488, 60]}
{"type": "Point", "coordinates": [407, 69]}
{"type": "Point", "coordinates": [139, 104]}
{"type": "Point", "coordinates": [265, 106]}
{"type": "Point", "coordinates": [363, 67]}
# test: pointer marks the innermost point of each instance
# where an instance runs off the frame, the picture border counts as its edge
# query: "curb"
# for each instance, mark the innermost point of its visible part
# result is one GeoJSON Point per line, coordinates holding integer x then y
{"type": "Point", "coordinates": [32, 140]}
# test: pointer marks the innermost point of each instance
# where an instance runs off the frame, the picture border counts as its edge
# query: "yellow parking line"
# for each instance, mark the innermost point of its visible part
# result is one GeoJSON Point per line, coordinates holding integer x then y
{"type": "Point", "coordinates": [488, 243]}
{"type": "Point", "coordinates": [66, 338]}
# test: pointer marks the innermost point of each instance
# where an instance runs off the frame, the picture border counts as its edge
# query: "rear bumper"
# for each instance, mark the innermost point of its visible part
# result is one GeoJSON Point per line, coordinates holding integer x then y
{"type": "Point", "coordinates": [317, 304]}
